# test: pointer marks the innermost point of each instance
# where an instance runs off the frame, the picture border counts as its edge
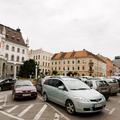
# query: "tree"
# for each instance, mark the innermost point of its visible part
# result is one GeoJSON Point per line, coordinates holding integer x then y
{"type": "Point", "coordinates": [27, 69]}
{"type": "Point", "coordinates": [70, 73]}
{"type": "Point", "coordinates": [54, 72]}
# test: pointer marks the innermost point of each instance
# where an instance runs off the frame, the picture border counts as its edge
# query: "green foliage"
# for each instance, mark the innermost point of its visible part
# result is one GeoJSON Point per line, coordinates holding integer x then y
{"type": "Point", "coordinates": [54, 72]}
{"type": "Point", "coordinates": [27, 69]}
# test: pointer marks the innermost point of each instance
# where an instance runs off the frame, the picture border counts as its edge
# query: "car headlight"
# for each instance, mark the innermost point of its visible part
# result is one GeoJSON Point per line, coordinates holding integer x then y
{"type": "Point", "coordinates": [34, 90]}
{"type": "Point", "coordinates": [81, 99]}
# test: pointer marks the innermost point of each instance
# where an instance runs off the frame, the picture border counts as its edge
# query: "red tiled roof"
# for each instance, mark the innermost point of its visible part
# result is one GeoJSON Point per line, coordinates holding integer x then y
{"type": "Point", "coordinates": [12, 35]}
{"type": "Point", "coordinates": [75, 54]}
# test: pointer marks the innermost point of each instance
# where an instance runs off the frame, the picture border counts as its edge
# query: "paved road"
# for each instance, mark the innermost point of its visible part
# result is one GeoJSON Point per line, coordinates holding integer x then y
{"type": "Point", "coordinates": [111, 111]}
{"type": "Point", "coordinates": [28, 109]}
{"type": "Point", "coordinates": [39, 110]}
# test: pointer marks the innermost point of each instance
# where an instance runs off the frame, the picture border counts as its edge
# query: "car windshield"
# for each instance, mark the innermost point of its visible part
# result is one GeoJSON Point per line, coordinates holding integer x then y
{"type": "Point", "coordinates": [23, 83]}
{"type": "Point", "coordinates": [101, 83]}
{"type": "Point", "coordinates": [111, 81]}
{"type": "Point", "coordinates": [74, 84]}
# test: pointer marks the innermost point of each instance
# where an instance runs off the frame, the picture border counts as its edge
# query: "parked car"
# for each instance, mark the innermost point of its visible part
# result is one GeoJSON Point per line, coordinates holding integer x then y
{"type": "Point", "coordinates": [40, 84]}
{"type": "Point", "coordinates": [73, 94]}
{"type": "Point", "coordinates": [114, 86]}
{"type": "Point", "coordinates": [23, 89]}
{"type": "Point", "coordinates": [100, 85]}
{"type": "Point", "coordinates": [7, 84]}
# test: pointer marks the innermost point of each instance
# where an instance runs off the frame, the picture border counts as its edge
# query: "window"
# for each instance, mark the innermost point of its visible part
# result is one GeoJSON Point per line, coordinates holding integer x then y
{"type": "Point", "coordinates": [23, 59]}
{"type": "Point", "coordinates": [11, 68]}
{"type": "Point", "coordinates": [18, 50]}
{"type": "Point", "coordinates": [6, 56]}
{"type": "Point", "coordinates": [18, 59]}
{"type": "Point", "coordinates": [73, 62]}
{"type": "Point", "coordinates": [78, 68]}
{"type": "Point", "coordinates": [7, 47]}
{"type": "Point", "coordinates": [12, 58]}
{"type": "Point", "coordinates": [68, 62]}
{"type": "Point", "coordinates": [38, 56]}
{"type": "Point", "coordinates": [34, 57]}
{"type": "Point", "coordinates": [48, 64]}
{"type": "Point", "coordinates": [63, 62]}
{"type": "Point", "coordinates": [78, 61]}
{"type": "Point", "coordinates": [72, 68]}
{"type": "Point", "coordinates": [13, 48]}
{"type": "Point", "coordinates": [59, 68]}
{"type": "Point", "coordinates": [59, 62]}
{"type": "Point", "coordinates": [83, 68]}
{"type": "Point", "coordinates": [23, 51]}
{"type": "Point", "coordinates": [68, 68]}
{"type": "Point", "coordinates": [56, 63]}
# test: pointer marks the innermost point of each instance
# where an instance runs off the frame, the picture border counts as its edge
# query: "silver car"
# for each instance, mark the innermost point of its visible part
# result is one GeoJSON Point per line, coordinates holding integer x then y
{"type": "Point", "coordinates": [73, 94]}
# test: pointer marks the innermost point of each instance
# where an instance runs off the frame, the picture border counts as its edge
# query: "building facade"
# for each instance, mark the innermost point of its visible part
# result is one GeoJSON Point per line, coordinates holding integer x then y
{"type": "Point", "coordinates": [42, 59]}
{"type": "Point", "coordinates": [13, 51]}
{"type": "Point", "coordinates": [109, 65]}
{"type": "Point", "coordinates": [82, 63]}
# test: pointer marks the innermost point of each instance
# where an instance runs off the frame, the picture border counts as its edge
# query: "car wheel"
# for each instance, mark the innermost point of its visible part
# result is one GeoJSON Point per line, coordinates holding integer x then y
{"type": "Point", "coordinates": [70, 108]}
{"type": "Point", "coordinates": [45, 98]}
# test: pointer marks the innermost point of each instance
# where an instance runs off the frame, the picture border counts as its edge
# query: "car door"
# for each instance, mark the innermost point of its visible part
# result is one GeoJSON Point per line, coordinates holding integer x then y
{"type": "Point", "coordinates": [49, 89]}
{"type": "Point", "coordinates": [60, 95]}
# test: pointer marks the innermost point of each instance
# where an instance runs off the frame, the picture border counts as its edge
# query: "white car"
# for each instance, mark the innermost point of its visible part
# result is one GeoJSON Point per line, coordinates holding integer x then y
{"type": "Point", "coordinates": [73, 94]}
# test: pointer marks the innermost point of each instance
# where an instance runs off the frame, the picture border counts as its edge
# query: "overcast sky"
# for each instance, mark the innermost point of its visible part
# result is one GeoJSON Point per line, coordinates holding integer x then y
{"type": "Point", "coordinates": [66, 25]}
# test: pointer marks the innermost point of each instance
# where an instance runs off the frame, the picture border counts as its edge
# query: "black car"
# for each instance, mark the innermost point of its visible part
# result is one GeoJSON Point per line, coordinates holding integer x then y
{"type": "Point", "coordinates": [6, 84]}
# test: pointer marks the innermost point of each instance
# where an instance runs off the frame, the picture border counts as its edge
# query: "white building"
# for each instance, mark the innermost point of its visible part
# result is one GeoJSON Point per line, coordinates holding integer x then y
{"type": "Point", "coordinates": [42, 58]}
{"type": "Point", "coordinates": [13, 51]}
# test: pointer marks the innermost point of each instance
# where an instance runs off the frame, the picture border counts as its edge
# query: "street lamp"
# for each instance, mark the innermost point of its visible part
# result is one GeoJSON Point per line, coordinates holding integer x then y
{"type": "Point", "coordinates": [36, 70]}
{"type": "Point", "coordinates": [14, 71]}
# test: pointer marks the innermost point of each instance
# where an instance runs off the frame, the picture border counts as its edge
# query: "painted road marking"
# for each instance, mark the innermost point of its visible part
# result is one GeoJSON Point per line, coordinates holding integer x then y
{"type": "Point", "coordinates": [9, 115]}
{"type": "Point", "coordinates": [38, 115]}
{"type": "Point", "coordinates": [11, 109]}
{"type": "Point", "coordinates": [111, 112]}
{"type": "Point", "coordinates": [40, 98]}
{"type": "Point", "coordinates": [58, 112]}
{"type": "Point", "coordinates": [57, 116]}
{"type": "Point", "coordinates": [5, 101]}
{"type": "Point", "coordinates": [25, 110]}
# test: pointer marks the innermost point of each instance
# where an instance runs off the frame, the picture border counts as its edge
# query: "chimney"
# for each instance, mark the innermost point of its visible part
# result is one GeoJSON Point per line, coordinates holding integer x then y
{"type": "Point", "coordinates": [18, 29]}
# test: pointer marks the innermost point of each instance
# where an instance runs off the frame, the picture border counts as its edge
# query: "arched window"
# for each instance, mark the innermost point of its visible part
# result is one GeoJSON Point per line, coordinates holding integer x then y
{"type": "Point", "coordinates": [6, 56]}
{"type": "Point", "coordinates": [18, 50]}
{"type": "Point", "coordinates": [7, 47]}
{"type": "Point", "coordinates": [18, 59]}
{"type": "Point", "coordinates": [12, 57]}
{"type": "Point", "coordinates": [23, 59]}
{"type": "Point", "coordinates": [13, 48]}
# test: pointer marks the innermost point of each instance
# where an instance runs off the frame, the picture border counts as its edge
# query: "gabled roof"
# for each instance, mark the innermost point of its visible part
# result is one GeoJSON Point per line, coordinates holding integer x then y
{"type": "Point", "coordinates": [12, 35]}
{"type": "Point", "coordinates": [75, 54]}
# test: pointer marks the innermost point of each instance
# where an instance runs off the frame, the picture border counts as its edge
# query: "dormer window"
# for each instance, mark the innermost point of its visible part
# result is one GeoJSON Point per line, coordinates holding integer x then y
{"type": "Point", "coordinates": [18, 39]}
{"type": "Point", "coordinates": [7, 35]}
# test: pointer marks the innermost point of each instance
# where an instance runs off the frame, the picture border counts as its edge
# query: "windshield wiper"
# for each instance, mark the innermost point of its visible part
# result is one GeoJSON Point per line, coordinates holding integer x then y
{"type": "Point", "coordinates": [80, 89]}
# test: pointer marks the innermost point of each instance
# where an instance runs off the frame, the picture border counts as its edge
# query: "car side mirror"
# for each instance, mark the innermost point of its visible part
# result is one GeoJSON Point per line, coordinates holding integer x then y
{"type": "Point", "coordinates": [61, 87]}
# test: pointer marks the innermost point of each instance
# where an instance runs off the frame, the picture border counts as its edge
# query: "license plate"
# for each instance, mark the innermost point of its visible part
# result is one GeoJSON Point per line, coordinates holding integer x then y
{"type": "Point", "coordinates": [98, 105]}
{"type": "Point", "coordinates": [26, 95]}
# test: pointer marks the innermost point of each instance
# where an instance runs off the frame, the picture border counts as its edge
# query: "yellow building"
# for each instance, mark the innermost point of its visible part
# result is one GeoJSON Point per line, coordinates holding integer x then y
{"type": "Point", "coordinates": [82, 63]}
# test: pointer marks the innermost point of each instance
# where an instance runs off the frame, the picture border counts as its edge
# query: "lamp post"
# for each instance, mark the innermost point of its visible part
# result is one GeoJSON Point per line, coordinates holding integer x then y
{"type": "Point", "coordinates": [14, 71]}
{"type": "Point", "coordinates": [36, 71]}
